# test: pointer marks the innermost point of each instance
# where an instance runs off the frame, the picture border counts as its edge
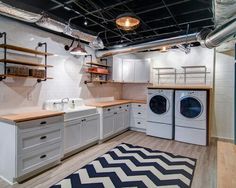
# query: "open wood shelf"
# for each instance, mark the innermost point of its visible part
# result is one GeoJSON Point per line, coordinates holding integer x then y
{"type": "Point", "coordinates": [98, 64]}
{"type": "Point", "coordinates": [26, 50]}
{"type": "Point", "coordinates": [16, 76]}
{"type": "Point", "coordinates": [18, 62]}
{"type": "Point", "coordinates": [93, 72]}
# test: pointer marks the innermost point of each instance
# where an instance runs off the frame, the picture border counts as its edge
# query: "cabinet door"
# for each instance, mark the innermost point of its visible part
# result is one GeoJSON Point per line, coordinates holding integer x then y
{"type": "Point", "coordinates": [117, 70]}
{"type": "Point", "coordinates": [126, 118]}
{"type": "Point", "coordinates": [90, 129]}
{"type": "Point", "coordinates": [72, 136]}
{"type": "Point", "coordinates": [128, 70]}
{"type": "Point", "coordinates": [142, 71]}
{"type": "Point", "coordinates": [108, 125]}
{"type": "Point", "coordinates": [118, 121]}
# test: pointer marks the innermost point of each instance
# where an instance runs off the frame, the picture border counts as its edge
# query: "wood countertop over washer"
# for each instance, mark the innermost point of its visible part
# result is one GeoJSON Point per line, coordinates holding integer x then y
{"type": "Point", "coordinates": [184, 87]}
{"type": "Point", "coordinates": [115, 102]}
{"type": "Point", "coordinates": [29, 116]}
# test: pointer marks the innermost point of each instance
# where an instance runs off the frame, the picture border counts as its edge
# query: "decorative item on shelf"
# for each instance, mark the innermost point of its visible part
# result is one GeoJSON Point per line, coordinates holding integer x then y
{"type": "Point", "coordinates": [98, 71]}
{"type": "Point", "coordinates": [17, 71]}
{"type": "Point", "coordinates": [22, 71]}
{"type": "Point", "coordinates": [37, 73]}
{"type": "Point", "coordinates": [127, 22]}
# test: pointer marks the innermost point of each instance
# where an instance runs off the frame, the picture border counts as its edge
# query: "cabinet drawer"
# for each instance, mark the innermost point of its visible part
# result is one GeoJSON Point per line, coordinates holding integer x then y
{"type": "Point", "coordinates": [108, 110]}
{"type": "Point", "coordinates": [138, 123]}
{"type": "Point", "coordinates": [32, 140]}
{"type": "Point", "coordinates": [139, 112]}
{"type": "Point", "coordinates": [39, 123]}
{"type": "Point", "coordinates": [139, 105]}
{"type": "Point", "coordinates": [39, 158]}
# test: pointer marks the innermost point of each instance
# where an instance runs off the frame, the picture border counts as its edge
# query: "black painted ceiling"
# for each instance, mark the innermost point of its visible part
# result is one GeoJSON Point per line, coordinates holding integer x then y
{"type": "Point", "coordinates": [159, 18]}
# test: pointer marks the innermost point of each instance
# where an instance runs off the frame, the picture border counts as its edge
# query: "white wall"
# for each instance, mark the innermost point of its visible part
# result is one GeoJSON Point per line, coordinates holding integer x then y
{"type": "Point", "coordinates": [224, 96]}
{"type": "Point", "coordinates": [173, 58]}
{"type": "Point", "coordinates": [68, 71]}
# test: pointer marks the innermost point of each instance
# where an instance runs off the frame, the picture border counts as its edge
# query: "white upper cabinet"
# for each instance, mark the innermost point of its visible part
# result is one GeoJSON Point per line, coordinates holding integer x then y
{"type": "Point", "coordinates": [131, 70]}
{"type": "Point", "coordinates": [141, 71]}
{"type": "Point", "coordinates": [128, 70]}
{"type": "Point", "coordinates": [117, 69]}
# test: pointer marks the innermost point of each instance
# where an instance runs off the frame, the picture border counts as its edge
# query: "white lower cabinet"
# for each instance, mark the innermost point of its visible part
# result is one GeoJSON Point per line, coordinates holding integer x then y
{"type": "Point", "coordinates": [118, 121]}
{"type": "Point", "coordinates": [107, 126]}
{"type": "Point", "coordinates": [72, 135]}
{"type": "Point", "coordinates": [138, 117]}
{"type": "Point", "coordinates": [81, 132]}
{"type": "Point", "coordinates": [113, 120]}
{"type": "Point", "coordinates": [30, 146]}
{"type": "Point", "coordinates": [90, 129]}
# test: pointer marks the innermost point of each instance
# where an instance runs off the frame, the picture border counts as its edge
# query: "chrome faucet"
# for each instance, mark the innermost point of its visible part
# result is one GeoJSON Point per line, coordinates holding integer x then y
{"type": "Point", "coordinates": [63, 100]}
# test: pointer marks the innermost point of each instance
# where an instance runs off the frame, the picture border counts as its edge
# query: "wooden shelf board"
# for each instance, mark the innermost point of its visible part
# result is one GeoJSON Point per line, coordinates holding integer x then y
{"type": "Point", "coordinates": [98, 64]}
{"type": "Point", "coordinates": [14, 76]}
{"type": "Point", "coordinates": [92, 72]}
{"type": "Point", "coordinates": [18, 62]}
{"type": "Point", "coordinates": [26, 50]}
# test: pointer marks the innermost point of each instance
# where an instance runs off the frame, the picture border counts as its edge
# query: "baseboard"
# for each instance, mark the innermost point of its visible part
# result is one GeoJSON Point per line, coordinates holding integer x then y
{"type": "Point", "coordinates": [224, 139]}
{"type": "Point", "coordinates": [7, 181]}
{"type": "Point", "coordinates": [137, 129]}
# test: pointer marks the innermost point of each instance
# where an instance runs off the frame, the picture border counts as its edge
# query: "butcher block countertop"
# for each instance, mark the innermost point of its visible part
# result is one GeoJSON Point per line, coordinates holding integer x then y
{"type": "Point", "coordinates": [167, 86]}
{"type": "Point", "coordinates": [29, 116]}
{"type": "Point", "coordinates": [115, 102]}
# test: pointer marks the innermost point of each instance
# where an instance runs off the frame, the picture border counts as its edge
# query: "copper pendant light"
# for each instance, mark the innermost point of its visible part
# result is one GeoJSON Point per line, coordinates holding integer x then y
{"type": "Point", "coordinates": [127, 22]}
{"type": "Point", "coordinates": [78, 50]}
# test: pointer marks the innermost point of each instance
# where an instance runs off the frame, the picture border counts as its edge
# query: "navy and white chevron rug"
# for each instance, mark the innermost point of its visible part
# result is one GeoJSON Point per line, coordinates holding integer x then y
{"type": "Point", "coordinates": [133, 166]}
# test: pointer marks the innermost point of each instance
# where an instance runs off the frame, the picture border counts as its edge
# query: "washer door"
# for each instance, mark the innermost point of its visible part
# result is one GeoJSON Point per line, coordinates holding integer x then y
{"type": "Point", "coordinates": [191, 107]}
{"type": "Point", "coordinates": [159, 104]}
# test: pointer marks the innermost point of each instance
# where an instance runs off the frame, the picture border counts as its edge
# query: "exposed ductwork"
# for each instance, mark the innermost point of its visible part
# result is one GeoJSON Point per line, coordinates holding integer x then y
{"type": "Point", "coordinates": [49, 23]}
{"type": "Point", "coordinates": [8, 10]}
{"type": "Point", "coordinates": [226, 31]}
{"type": "Point", "coordinates": [207, 38]}
{"type": "Point", "coordinates": [149, 45]}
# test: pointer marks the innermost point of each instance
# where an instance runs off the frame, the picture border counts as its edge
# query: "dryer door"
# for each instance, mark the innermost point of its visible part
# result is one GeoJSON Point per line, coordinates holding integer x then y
{"type": "Point", "coordinates": [159, 104]}
{"type": "Point", "coordinates": [191, 107]}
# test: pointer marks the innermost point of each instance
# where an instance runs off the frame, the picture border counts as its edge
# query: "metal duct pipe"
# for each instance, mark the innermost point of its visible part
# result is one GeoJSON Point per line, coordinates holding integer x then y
{"type": "Point", "coordinates": [149, 45]}
{"type": "Point", "coordinates": [216, 37]}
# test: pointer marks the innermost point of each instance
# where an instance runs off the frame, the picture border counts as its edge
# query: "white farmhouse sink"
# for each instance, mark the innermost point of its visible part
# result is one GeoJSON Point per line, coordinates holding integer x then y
{"type": "Point", "coordinates": [79, 110]}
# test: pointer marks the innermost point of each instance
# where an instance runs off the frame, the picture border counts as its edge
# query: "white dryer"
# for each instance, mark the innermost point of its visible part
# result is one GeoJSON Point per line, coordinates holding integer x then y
{"type": "Point", "coordinates": [191, 116]}
{"type": "Point", "coordinates": [160, 113]}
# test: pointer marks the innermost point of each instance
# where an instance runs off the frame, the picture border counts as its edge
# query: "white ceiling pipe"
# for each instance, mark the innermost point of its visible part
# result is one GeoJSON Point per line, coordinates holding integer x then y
{"type": "Point", "coordinates": [149, 45]}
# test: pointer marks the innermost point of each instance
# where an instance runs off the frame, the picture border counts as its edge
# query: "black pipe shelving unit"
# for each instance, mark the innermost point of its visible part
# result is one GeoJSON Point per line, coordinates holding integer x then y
{"type": "Point", "coordinates": [6, 61]}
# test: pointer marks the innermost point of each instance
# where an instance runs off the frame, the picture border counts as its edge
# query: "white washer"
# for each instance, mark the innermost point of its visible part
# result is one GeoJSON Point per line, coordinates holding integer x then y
{"type": "Point", "coordinates": [160, 113]}
{"type": "Point", "coordinates": [191, 116]}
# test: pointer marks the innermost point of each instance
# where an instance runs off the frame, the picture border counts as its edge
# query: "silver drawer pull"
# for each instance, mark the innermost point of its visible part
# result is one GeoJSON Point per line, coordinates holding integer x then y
{"type": "Point", "coordinates": [139, 105]}
{"type": "Point", "coordinates": [43, 137]}
{"type": "Point", "coordinates": [108, 109]}
{"type": "Point", "coordinates": [139, 113]}
{"type": "Point", "coordinates": [43, 123]}
{"type": "Point", "coordinates": [43, 156]}
{"type": "Point", "coordinates": [120, 107]}
{"type": "Point", "coordinates": [139, 122]}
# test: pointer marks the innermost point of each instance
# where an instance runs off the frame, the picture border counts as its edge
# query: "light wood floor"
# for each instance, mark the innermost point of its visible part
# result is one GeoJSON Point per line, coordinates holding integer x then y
{"type": "Point", "coordinates": [204, 177]}
{"type": "Point", "coordinates": [226, 165]}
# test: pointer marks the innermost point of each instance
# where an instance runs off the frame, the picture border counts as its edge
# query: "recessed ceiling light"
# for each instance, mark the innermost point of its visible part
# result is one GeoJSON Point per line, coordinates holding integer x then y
{"type": "Point", "coordinates": [127, 22]}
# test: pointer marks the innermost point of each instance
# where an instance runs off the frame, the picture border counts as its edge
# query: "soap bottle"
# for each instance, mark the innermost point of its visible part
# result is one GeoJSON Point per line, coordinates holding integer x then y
{"type": "Point", "coordinates": [72, 104]}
